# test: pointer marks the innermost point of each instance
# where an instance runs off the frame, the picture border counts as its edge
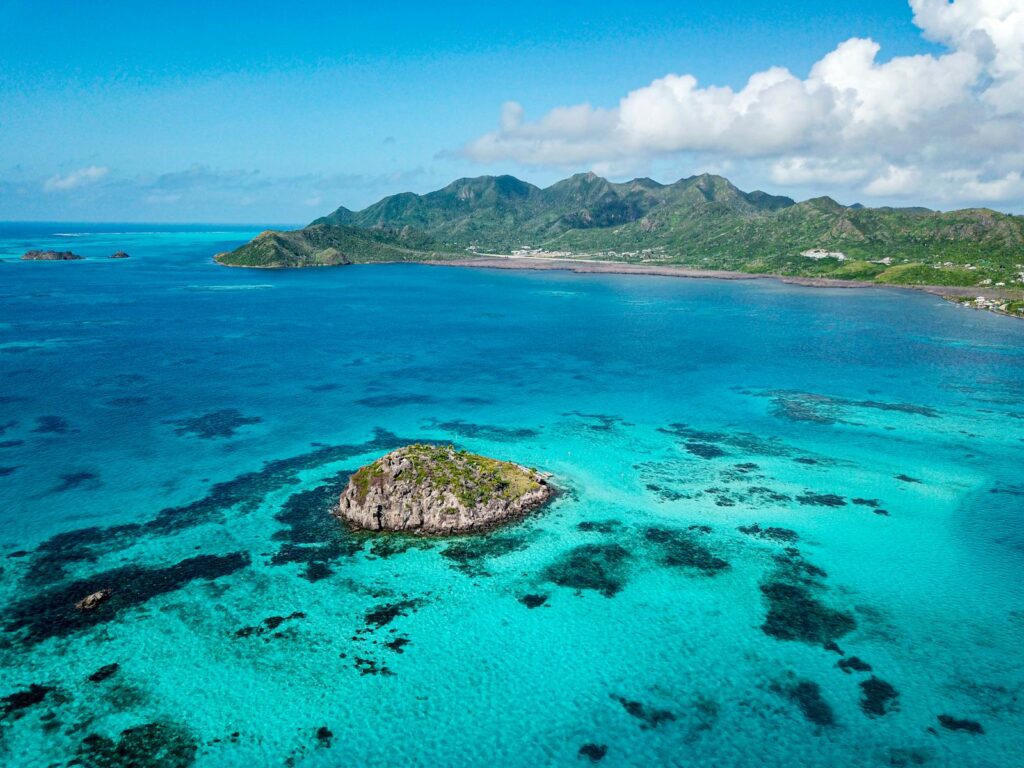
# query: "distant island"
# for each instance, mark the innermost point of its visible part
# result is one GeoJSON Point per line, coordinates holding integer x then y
{"type": "Point", "coordinates": [438, 490]}
{"type": "Point", "coordinates": [702, 222]}
{"type": "Point", "coordinates": [51, 256]}
{"type": "Point", "coordinates": [63, 256]}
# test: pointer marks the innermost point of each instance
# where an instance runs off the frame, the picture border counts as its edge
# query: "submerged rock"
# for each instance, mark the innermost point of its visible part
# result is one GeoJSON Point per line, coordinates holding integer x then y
{"type": "Point", "coordinates": [438, 490]}
{"type": "Point", "coordinates": [593, 752]}
{"type": "Point", "coordinates": [880, 698]}
{"type": "Point", "coordinates": [101, 674]}
{"type": "Point", "coordinates": [92, 601]}
{"type": "Point", "coordinates": [50, 256]}
{"type": "Point", "coordinates": [958, 724]}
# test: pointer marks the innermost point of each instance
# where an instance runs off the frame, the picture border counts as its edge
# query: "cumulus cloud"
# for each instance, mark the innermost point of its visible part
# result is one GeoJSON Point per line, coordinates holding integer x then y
{"type": "Point", "coordinates": [949, 126]}
{"type": "Point", "coordinates": [80, 178]}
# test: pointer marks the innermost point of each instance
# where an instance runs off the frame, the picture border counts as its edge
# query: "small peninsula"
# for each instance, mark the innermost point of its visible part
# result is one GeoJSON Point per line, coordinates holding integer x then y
{"type": "Point", "coordinates": [438, 490]}
{"type": "Point", "coordinates": [51, 256]}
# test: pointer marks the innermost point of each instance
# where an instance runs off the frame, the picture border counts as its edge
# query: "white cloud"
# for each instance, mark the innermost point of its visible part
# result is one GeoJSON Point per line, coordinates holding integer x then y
{"type": "Point", "coordinates": [80, 178]}
{"type": "Point", "coordinates": [894, 182]}
{"type": "Point", "coordinates": [948, 127]}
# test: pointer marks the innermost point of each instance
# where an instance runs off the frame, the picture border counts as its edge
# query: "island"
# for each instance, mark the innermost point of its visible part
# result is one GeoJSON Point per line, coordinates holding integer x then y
{"type": "Point", "coordinates": [51, 256]}
{"type": "Point", "coordinates": [437, 490]}
{"type": "Point", "coordinates": [701, 226]}
{"type": "Point", "coordinates": [119, 255]}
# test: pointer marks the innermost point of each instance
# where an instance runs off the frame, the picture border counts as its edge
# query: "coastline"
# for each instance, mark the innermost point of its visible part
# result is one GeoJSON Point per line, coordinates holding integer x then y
{"type": "Point", "coordinates": [591, 266]}
{"type": "Point", "coordinates": [960, 295]}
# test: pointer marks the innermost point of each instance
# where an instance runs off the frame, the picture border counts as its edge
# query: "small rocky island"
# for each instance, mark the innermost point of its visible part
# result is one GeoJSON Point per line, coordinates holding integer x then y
{"type": "Point", "coordinates": [51, 256]}
{"type": "Point", "coordinates": [119, 255]}
{"type": "Point", "coordinates": [438, 490]}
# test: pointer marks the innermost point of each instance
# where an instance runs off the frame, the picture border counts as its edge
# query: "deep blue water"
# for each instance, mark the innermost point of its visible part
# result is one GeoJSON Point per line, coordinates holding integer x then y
{"type": "Point", "coordinates": [175, 432]}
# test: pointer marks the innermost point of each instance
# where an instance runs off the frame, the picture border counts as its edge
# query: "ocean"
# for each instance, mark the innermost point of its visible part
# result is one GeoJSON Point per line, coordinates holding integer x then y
{"type": "Point", "coordinates": [790, 527]}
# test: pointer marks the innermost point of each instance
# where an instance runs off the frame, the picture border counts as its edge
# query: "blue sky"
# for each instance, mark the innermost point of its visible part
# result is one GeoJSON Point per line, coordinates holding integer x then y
{"type": "Point", "coordinates": [260, 112]}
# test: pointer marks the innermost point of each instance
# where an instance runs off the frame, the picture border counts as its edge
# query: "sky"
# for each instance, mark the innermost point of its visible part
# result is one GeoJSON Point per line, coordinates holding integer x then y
{"type": "Point", "coordinates": [259, 112]}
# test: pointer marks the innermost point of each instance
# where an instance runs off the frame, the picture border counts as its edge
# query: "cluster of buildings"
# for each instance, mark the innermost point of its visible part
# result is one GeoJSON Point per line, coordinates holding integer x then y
{"type": "Point", "coordinates": [820, 253]}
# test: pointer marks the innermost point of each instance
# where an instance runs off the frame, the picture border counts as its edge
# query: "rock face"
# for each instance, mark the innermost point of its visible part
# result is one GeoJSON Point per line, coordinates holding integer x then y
{"type": "Point", "coordinates": [91, 602]}
{"type": "Point", "coordinates": [50, 256]}
{"type": "Point", "coordinates": [437, 490]}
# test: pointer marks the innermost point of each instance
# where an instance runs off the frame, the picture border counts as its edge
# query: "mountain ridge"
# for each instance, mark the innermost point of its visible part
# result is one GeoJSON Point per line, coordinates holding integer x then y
{"type": "Point", "coordinates": [701, 221]}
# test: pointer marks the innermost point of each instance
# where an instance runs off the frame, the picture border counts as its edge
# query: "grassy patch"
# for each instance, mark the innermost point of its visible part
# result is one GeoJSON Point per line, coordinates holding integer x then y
{"type": "Point", "coordinates": [471, 478]}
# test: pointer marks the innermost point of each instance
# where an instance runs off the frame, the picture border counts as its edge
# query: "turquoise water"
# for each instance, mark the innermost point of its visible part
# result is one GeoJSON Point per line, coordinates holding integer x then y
{"type": "Point", "coordinates": [175, 432]}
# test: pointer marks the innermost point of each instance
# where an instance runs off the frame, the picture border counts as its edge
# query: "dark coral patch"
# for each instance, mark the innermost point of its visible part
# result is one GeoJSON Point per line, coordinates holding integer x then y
{"type": "Point", "coordinates": [75, 480]}
{"type": "Point", "coordinates": [152, 745]}
{"type": "Point", "coordinates": [704, 450]}
{"type": "Point", "coordinates": [385, 613]}
{"type": "Point", "coordinates": [762, 494]}
{"type": "Point", "coordinates": [772, 533]}
{"type": "Point", "coordinates": [4, 471]}
{"type": "Point", "coordinates": [650, 717]}
{"type": "Point", "coordinates": [806, 694]}
{"type": "Point", "coordinates": [213, 425]}
{"type": "Point", "coordinates": [324, 737]}
{"type": "Point", "coordinates": [243, 493]}
{"type": "Point", "coordinates": [907, 479]}
{"type": "Point", "coordinates": [269, 624]}
{"type": "Point", "coordinates": [801, 406]}
{"type": "Point", "coordinates": [52, 613]}
{"type": "Point", "coordinates": [680, 549]}
{"type": "Point", "coordinates": [598, 567]}
{"type": "Point", "coordinates": [599, 526]}
{"type": "Point", "coordinates": [15, 703]}
{"type": "Point", "coordinates": [533, 601]}
{"type": "Point", "coordinates": [957, 724]}
{"type": "Point", "coordinates": [593, 752]}
{"type": "Point", "coordinates": [794, 568]}
{"type": "Point", "coordinates": [853, 664]}
{"type": "Point", "coordinates": [52, 425]}
{"type": "Point", "coordinates": [310, 534]}
{"type": "Point", "coordinates": [879, 697]}
{"type": "Point", "coordinates": [398, 644]}
{"type": "Point", "coordinates": [795, 614]}
{"type": "Point", "coordinates": [825, 409]}
{"type": "Point", "coordinates": [104, 672]}
{"type": "Point", "coordinates": [371, 667]}
{"type": "Point", "coordinates": [385, 545]}
{"type": "Point", "coordinates": [811, 499]}
{"type": "Point", "coordinates": [470, 555]}
{"type": "Point", "coordinates": [396, 400]}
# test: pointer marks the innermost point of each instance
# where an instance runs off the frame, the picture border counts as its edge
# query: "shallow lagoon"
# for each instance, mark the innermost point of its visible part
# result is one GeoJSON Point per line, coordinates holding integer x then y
{"type": "Point", "coordinates": [176, 430]}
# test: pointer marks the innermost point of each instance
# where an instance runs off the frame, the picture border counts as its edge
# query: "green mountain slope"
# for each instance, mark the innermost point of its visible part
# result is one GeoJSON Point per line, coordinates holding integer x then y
{"type": "Point", "coordinates": [701, 221]}
{"type": "Point", "coordinates": [323, 245]}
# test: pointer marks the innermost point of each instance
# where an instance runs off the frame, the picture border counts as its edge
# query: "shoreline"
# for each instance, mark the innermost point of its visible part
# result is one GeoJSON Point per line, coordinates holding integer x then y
{"type": "Point", "coordinates": [954, 294]}
{"type": "Point", "coordinates": [580, 266]}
